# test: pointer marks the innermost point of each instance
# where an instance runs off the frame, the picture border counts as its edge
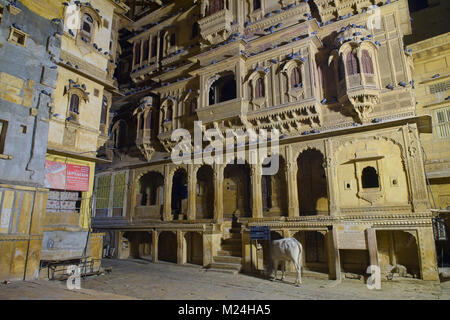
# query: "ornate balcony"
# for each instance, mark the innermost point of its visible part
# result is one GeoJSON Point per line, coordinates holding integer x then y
{"type": "Point", "coordinates": [216, 27]}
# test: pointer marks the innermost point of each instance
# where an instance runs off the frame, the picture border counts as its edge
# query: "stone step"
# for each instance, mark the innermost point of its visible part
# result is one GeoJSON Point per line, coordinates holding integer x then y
{"type": "Point", "coordinates": [232, 240]}
{"type": "Point", "coordinates": [225, 266]}
{"type": "Point", "coordinates": [233, 272]}
{"type": "Point", "coordinates": [227, 259]}
{"type": "Point", "coordinates": [236, 253]}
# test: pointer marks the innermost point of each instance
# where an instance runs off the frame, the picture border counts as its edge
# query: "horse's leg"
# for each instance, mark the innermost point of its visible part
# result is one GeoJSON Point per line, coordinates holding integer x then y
{"type": "Point", "coordinates": [298, 280]}
{"type": "Point", "coordinates": [275, 267]}
{"type": "Point", "coordinates": [283, 271]}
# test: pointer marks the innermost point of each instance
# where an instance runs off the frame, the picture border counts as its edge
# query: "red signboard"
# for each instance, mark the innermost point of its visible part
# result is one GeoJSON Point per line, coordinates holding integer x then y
{"type": "Point", "coordinates": [63, 176]}
{"type": "Point", "coordinates": [77, 178]}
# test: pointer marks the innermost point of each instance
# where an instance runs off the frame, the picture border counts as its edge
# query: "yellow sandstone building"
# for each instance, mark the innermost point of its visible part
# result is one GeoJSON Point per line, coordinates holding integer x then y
{"type": "Point", "coordinates": [332, 76]}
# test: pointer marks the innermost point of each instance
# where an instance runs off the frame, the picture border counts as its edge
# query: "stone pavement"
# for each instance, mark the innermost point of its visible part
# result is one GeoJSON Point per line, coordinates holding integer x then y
{"type": "Point", "coordinates": [145, 280]}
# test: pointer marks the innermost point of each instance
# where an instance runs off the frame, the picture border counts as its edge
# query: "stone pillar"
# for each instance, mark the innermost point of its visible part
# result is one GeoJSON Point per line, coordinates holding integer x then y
{"type": "Point", "coordinates": [180, 247]}
{"type": "Point", "coordinates": [218, 193]}
{"type": "Point", "coordinates": [256, 175]}
{"type": "Point", "coordinates": [155, 236]}
{"type": "Point", "coordinates": [167, 210]}
{"type": "Point", "coordinates": [291, 177]}
{"type": "Point", "coordinates": [192, 195]}
{"type": "Point", "coordinates": [334, 260]}
{"type": "Point", "coordinates": [332, 182]}
{"type": "Point", "coordinates": [372, 246]}
{"type": "Point", "coordinates": [414, 168]}
{"type": "Point", "coordinates": [427, 254]}
{"type": "Point", "coordinates": [247, 251]}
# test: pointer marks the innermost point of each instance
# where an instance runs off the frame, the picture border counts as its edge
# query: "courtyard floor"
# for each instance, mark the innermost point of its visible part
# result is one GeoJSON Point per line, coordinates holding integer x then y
{"type": "Point", "coordinates": [141, 279]}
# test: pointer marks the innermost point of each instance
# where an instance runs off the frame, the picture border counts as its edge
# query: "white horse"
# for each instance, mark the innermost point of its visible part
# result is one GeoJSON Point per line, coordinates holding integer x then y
{"type": "Point", "coordinates": [286, 249]}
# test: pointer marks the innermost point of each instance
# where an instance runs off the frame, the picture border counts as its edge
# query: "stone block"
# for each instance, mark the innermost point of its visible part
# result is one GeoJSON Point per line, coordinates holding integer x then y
{"type": "Point", "coordinates": [12, 98]}
{"type": "Point", "coordinates": [11, 80]}
{"type": "Point", "coordinates": [49, 77]}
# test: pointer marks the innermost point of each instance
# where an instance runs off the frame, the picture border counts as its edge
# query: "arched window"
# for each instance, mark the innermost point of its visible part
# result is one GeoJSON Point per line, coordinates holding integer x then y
{"type": "Point", "coordinates": [366, 62]}
{"type": "Point", "coordinates": [259, 88]}
{"type": "Point", "coordinates": [87, 26]}
{"type": "Point", "coordinates": [74, 103]}
{"type": "Point", "coordinates": [352, 64]}
{"type": "Point", "coordinates": [370, 178]}
{"type": "Point", "coordinates": [256, 4]}
{"type": "Point", "coordinates": [137, 53]}
{"type": "Point", "coordinates": [296, 77]}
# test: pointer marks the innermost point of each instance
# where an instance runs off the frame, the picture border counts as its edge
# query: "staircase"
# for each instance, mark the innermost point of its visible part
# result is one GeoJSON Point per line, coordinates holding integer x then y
{"type": "Point", "coordinates": [228, 259]}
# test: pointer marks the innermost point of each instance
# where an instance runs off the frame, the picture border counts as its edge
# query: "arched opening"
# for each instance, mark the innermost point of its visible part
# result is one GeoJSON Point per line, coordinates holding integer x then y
{"type": "Point", "coordinates": [140, 245]}
{"type": "Point", "coordinates": [145, 50]}
{"type": "Point", "coordinates": [259, 88]}
{"type": "Point", "coordinates": [87, 26]}
{"type": "Point", "coordinates": [179, 192]}
{"type": "Point", "coordinates": [366, 62]}
{"type": "Point", "coordinates": [167, 247]}
{"type": "Point", "coordinates": [312, 184]}
{"type": "Point", "coordinates": [369, 178]}
{"type": "Point", "coordinates": [274, 191]}
{"type": "Point", "coordinates": [314, 250]}
{"type": "Point", "coordinates": [236, 191]}
{"type": "Point", "coordinates": [150, 196]}
{"type": "Point", "coordinates": [194, 248]}
{"type": "Point", "coordinates": [352, 64]}
{"type": "Point", "coordinates": [296, 77]}
{"type": "Point", "coordinates": [398, 253]}
{"type": "Point", "coordinates": [74, 103]}
{"type": "Point", "coordinates": [223, 89]}
{"type": "Point", "coordinates": [205, 193]}
{"type": "Point", "coordinates": [150, 189]}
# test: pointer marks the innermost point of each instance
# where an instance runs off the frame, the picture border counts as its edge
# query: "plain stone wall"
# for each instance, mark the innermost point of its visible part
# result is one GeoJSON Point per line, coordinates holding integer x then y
{"type": "Point", "coordinates": [24, 73]}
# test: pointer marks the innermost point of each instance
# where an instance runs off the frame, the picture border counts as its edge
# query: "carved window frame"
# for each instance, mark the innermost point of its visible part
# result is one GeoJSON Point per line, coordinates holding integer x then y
{"type": "Point", "coordinates": [15, 35]}
{"type": "Point", "coordinates": [256, 14]}
{"type": "Point", "coordinates": [287, 71]}
{"type": "Point", "coordinates": [253, 81]}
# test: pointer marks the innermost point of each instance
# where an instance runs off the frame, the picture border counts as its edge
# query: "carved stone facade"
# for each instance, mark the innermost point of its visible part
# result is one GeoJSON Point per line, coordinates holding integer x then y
{"type": "Point", "coordinates": [337, 88]}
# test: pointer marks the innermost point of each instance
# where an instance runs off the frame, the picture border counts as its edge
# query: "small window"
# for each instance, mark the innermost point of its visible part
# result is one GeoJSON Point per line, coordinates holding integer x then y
{"type": "Point", "coordinates": [442, 119]}
{"type": "Point", "coordinates": [259, 88]}
{"type": "Point", "coordinates": [106, 23]}
{"type": "Point", "coordinates": [74, 103]}
{"type": "Point", "coordinates": [96, 92]}
{"type": "Point", "coordinates": [17, 37]}
{"type": "Point", "coordinates": [172, 39]}
{"type": "Point", "coordinates": [295, 77]}
{"type": "Point", "coordinates": [87, 26]}
{"type": "Point", "coordinates": [3, 128]}
{"type": "Point", "coordinates": [366, 62]}
{"type": "Point", "coordinates": [141, 121]}
{"type": "Point", "coordinates": [370, 178]}
{"type": "Point", "coordinates": [352, 64]}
